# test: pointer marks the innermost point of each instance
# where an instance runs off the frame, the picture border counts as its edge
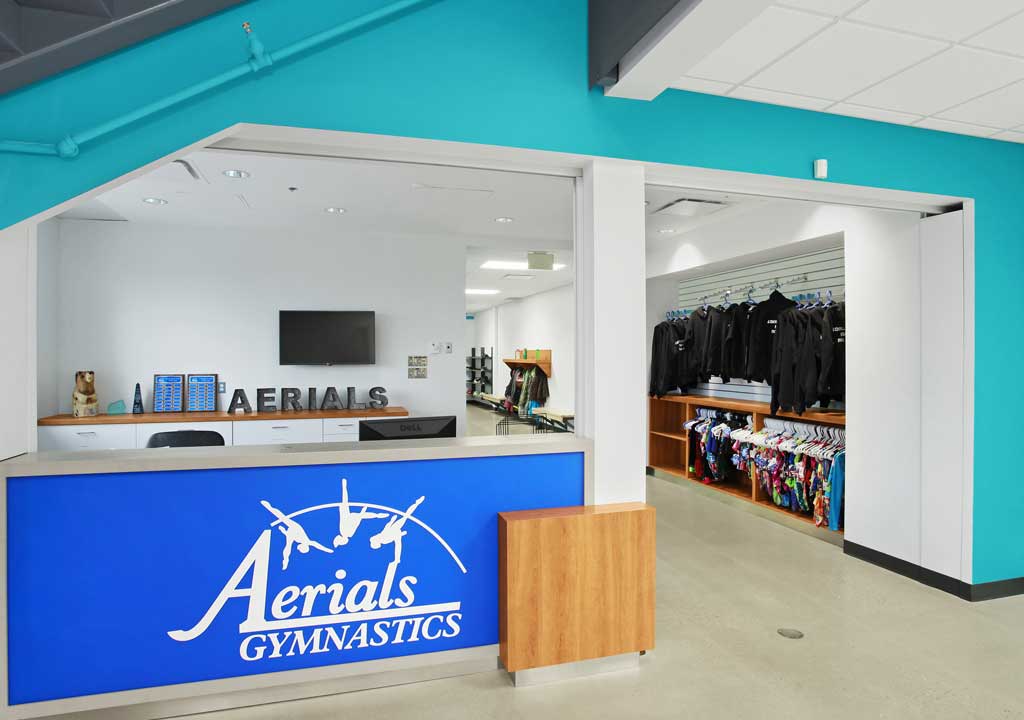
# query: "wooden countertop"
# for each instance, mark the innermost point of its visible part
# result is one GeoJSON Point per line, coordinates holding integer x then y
{"type": "Point", "coordinates": [196, 417]}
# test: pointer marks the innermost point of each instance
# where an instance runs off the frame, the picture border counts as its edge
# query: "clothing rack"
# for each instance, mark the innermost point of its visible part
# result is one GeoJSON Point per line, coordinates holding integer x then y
{"type": "Point", "coordinates": [748, 288]}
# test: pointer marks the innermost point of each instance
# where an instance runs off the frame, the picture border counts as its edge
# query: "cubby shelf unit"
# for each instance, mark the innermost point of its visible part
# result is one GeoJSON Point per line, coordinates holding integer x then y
{"type": "Point", "coordinates": [668, 443]}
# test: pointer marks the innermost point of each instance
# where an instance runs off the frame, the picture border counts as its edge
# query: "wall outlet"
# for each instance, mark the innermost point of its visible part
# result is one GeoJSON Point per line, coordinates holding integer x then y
{"type": "Point", "coordinates": [448, 348]}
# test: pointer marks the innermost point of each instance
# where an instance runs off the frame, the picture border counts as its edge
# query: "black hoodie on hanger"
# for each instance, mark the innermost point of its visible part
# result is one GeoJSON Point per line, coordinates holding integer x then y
{"type": "Point", "coordinates": [764, 320]}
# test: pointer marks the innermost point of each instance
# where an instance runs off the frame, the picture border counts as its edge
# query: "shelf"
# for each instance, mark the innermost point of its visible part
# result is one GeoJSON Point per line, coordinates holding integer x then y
{"type": "Point", "coordinates": [541, 360]}
{"type": "Point", "coordinates": [681, 437]}
{"type": "Point", "coordinates": [813, 415]}
{"type": "Point", "coordinates": [677, 470]}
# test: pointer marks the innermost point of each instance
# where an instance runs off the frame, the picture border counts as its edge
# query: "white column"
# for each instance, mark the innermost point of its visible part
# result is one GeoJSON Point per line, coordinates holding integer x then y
{"type": "Point", "coordinates": [611, 321]}
{"type": "Point", "coordinates": [17, 340]}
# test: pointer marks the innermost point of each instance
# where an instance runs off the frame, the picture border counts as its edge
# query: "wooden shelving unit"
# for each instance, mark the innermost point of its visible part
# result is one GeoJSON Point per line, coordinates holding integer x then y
{"type": "Point", "coordinates": [668, 444]}
{"type": "Point", "coordinates": [534, 358]}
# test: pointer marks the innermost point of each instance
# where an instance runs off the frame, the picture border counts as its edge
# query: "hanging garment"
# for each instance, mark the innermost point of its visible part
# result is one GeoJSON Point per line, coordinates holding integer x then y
{"type": "Point", "coordinates": [717, 327]}
{"type": "Point", "coordinates": [694, 350]}
{"type": "Point", "coordinates": [667, 343]}
{"type": "Point", "coordinates": [524, 393]}
{"type": "Point", "coordinates": [790, 328]}
{"type": "Point", "coordinates": [832, 379]}
{"type": "Point", "coordinates": [539, 387]}
{"type": "Point", "coordinates": [763, 321]}
{"type": "Point", "coordinates": [837, 482]}
{"type": "Point", "coordinates": [808, 364]}
{"type": "Point", "coordinates": [734, 342]}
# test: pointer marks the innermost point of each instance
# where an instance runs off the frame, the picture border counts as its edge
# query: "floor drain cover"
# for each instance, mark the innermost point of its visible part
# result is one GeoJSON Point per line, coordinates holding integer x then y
{"type": "Point", "coordinates": [790, 633]}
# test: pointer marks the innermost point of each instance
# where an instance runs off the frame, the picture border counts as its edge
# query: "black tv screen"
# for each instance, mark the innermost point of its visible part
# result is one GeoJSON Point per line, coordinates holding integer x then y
{"type": "Point", "coordinates": [318, 337]}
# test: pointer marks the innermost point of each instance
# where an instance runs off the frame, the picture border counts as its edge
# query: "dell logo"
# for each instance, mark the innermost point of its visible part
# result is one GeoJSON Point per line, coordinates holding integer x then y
{"type": "Point", "coordinates": [411, 427]}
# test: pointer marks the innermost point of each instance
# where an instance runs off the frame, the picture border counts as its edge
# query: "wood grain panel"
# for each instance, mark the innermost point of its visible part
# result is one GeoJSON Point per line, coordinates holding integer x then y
{"type": "Point", "coordinates": [575, 583]}
{"type": "Point", "coordinates": [195, 417]}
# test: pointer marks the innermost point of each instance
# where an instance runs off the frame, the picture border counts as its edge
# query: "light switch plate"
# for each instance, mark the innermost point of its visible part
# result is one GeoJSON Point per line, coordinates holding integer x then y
{"type": "Point", "coordinates": [222, 387]}
{"type": "Point", "coordinates": [435, 348]}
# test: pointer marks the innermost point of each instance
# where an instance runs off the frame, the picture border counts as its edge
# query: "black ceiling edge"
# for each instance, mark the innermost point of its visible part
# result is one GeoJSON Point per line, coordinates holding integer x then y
{"type": "Point", "coordinates": [104, 40]}
{"type": "Point", "coordinates": [614, 27]}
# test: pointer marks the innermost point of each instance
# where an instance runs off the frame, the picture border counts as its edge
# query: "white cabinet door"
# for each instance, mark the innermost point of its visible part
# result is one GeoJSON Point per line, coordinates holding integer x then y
{"type": "Point", "coordinates": [277, 432]}
{"type": "Point", "coordinates": [343, 429]}
{"type": "Point", "coordinates": [87, 437]}
{"type": "Point", "coordinates": [147, 430]}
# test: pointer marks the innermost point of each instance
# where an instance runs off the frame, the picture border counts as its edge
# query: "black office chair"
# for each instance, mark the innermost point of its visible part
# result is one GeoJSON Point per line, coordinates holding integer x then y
{"type": "Point", "coordinates": [185, 438]}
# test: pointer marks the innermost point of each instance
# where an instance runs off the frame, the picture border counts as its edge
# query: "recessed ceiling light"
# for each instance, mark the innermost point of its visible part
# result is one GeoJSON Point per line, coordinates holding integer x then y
{"type": "Point", "coordinates": [154, 201]}
{"type": "Point", "coordinates": [477, 291]}
{"type": "Point", "coordinates": [667, 231]}
{"type": "Point", "coordinates": [513, 276]}
{"type": "Point", "coordinates": [236, 174]}
{"type": "Point", "coordinates": [513, 265]}
{"type": "Point", "coordinates": [503, 220]}
{"type": "Point", "coordinates": [335, 210]}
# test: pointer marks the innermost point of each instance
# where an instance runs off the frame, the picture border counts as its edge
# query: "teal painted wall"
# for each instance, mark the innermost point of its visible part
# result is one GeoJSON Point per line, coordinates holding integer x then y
{"type": "Point", "coordinates": [513, 72]}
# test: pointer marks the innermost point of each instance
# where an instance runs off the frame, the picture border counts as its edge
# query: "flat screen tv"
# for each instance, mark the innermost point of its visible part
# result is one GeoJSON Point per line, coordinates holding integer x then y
{"type": "Point", "coordinates": [319, 337]}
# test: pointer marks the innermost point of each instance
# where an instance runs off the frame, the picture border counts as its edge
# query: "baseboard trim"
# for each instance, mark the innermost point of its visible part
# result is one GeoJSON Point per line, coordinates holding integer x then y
{"type": "Point", "coordinates": [953, 586]}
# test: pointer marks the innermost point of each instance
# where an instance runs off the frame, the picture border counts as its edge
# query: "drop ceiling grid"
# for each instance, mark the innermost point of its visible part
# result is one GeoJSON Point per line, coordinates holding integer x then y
{"type": "Point", "coordinates": [959, 72]}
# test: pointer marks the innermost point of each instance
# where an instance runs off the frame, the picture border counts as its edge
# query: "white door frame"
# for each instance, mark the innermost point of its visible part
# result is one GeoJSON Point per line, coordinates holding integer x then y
{"type": "Point", "coordinates": [286, 140]}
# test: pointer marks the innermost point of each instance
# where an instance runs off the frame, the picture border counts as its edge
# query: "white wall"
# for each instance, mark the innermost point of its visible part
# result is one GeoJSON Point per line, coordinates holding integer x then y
{"type": "Point", "coordinates": [538, 322]}
{"type": "Point", "coordinates": [610, 271]}
{"type": "Point", "coordinates": [138, 300]}
{"type": "Point", "coordinates": [17, 348]}
{"type": "Point", "coordinates": [48, 304]}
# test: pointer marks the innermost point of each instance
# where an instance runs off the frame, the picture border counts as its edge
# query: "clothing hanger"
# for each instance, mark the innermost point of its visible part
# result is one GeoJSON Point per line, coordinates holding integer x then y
{"type": "Point", "coordinates": [725, 299]}
{"type": "Point", "coordinates": [750, 296]}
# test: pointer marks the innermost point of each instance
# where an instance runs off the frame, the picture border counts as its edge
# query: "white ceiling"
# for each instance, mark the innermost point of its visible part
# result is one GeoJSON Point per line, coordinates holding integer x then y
{"type": "Point", "coordinates": [437, 203]}
{"type": "Point", "coordinates": [948, 65]}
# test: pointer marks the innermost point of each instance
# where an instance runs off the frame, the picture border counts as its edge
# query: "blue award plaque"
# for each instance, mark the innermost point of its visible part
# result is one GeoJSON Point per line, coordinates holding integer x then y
{"type": "Point", "coordinates": [168, 393]}
{"type": "Point", "coordinates": [202, 393]}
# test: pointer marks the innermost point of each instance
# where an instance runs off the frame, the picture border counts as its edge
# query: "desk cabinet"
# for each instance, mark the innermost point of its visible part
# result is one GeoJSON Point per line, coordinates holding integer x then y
{"type": "Point", "coordinates": [126, 432]}
{"type": "Point", "coordinates": [278, 432]}
{"type": "Point", "coordinates": [87, 437]}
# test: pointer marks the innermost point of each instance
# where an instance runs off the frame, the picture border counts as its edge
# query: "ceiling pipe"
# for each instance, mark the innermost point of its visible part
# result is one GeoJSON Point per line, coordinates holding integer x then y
{"type": "Point", "coordinates": [259, 59]}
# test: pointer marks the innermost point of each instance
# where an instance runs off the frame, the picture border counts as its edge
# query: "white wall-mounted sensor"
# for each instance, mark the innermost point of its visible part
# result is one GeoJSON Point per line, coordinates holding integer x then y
{"type": "Point", "coordinates": [821, 169]}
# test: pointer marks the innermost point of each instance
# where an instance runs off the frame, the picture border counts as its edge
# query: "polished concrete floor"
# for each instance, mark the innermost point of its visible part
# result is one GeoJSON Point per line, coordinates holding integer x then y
{"type": "Point", "coordinates": [876, 645]}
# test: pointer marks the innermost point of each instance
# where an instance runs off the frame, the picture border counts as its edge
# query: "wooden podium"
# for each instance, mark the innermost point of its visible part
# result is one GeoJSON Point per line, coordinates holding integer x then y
{"type": "Point", "coordinates": [575, 583]}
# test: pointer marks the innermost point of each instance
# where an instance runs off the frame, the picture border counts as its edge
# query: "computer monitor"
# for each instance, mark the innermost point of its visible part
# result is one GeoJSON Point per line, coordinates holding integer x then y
{"type": "Point", "coordinates": [408, 428]}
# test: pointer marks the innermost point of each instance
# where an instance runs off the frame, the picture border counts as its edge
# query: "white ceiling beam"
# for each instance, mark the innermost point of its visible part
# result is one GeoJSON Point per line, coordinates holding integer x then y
{"type": "Point", "coordinates": [682, 39]}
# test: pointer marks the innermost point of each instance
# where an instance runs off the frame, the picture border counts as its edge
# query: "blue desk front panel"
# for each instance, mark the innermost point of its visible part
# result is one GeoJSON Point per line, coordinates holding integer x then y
{"type": "Point", "coordinates": [133, 580]}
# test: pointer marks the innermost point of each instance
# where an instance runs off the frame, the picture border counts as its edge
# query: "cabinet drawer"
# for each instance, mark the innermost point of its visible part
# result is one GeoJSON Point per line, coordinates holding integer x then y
{"type": "Point", "coordinates": [343, 430]}
{"type": "Point", "coordinates": [147, 430]}
{"type": "Point", "coordinates": [277, 432]}
{"type": "Point", "coordinates": [87, 437]}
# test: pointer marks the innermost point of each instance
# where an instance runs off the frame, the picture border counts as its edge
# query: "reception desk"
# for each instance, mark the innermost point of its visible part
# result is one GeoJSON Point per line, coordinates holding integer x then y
{"type": "Point", "coordinates": [142, 583]}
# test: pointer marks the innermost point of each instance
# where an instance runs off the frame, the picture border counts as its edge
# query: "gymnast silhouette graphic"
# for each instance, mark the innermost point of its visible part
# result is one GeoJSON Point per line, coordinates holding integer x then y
{"type": "Point", "coordinates": [348, 521]}
{"type": "Point", "coordinates": [294, 534]}
{"type": "Point", "coordinates": [393, 533]}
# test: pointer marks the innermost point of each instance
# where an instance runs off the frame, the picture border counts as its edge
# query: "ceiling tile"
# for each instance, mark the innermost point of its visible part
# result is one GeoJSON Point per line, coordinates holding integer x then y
{"type": "Point", "coordinates": [702, 86]}
{"type": "Point", "coordinates": [1007, 36]}
{"type": "Point", "coordinates": [955, 127]}
{"type": "Point", "coordinates": [771, 34]}
{"type": "Point", "coordinates": [828, 7]}
{"type": "Point", "coordinates": [950, 20]}
{"type": "Point", "coordinates": [870, 113]}
{"type": "Point", "coordinates": [843, 59]}
{"type": "Point", "coordinates": [1010, 136]}
{"type": "Point", "coordinates": [1003, 108]}
{"type": "Point", "coordinates": [780, 98]}
{"type": "Point", "coordinates": [943, 81]}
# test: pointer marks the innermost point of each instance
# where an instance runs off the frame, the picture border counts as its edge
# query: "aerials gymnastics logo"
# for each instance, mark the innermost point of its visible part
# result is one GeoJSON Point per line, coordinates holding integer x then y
{"type": "Point", "coordinates": [335, 617]}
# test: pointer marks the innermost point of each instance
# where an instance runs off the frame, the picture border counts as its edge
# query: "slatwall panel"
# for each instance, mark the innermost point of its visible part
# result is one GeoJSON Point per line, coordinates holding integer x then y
{"type": "Point", "coordinates": [800, 274]}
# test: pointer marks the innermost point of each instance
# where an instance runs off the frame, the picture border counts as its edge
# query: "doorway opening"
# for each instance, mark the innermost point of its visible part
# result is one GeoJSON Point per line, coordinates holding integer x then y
{"type": "Point", "coordinates": [795, 348]}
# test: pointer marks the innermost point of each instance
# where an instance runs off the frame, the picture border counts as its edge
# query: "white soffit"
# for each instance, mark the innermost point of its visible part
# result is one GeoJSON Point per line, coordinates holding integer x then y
{"type": "Point", "coordinates": [937, 64]}
{"type": "Point", "coordinates": [944, 19]}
